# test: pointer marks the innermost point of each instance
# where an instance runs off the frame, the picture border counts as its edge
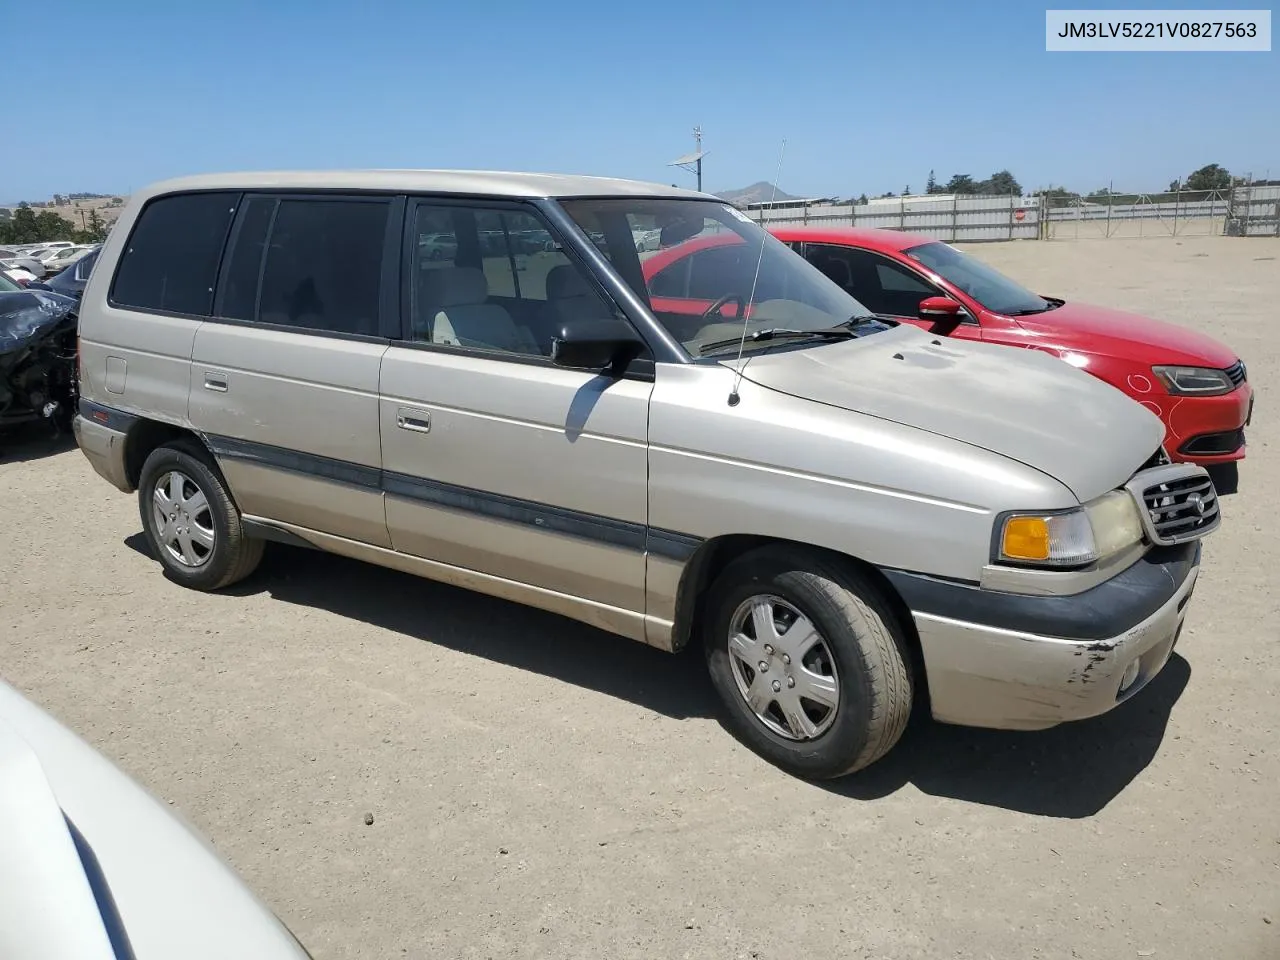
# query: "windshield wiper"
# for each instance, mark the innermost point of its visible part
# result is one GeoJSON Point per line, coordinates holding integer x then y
{"type": "Point", "coordinates": [859, 319]}
{"type": "Point", "coordinates": [781, 333]}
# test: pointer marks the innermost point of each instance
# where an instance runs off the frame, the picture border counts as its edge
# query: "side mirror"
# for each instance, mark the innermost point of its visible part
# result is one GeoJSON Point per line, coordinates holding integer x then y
{"type": "Point", "coordinates": [38, 285]}
{"type": "Point", "coordinates": [679, 230]}
{"type": "Point", "coordinates": [942, 312]}
{"type": "Point", "coordinates": [595, 345]}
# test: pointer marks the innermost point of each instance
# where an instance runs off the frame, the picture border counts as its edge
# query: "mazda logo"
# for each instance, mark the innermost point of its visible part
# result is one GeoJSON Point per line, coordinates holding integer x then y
{"type": "Point", "coordinates": [1196, 502]}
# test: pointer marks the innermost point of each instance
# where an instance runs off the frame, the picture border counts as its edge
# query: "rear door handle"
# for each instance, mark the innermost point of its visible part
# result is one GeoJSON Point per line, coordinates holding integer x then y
{"type": "Point", "coordinates": [419, 421]}
{"type": "Point", "coordinates": [215, 381]}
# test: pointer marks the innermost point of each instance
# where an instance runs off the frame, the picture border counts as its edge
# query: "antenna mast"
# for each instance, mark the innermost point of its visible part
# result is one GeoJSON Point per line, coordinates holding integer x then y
{"type": "Point", "coordinates": [746, 307]}
{"type": "Point", "coordinates": [697, 141]}
{"type": "Point", "coordinates": [693, 161]}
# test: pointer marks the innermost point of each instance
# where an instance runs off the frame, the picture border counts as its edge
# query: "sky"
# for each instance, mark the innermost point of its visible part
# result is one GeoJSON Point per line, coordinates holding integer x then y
{"type": "Point", "coordinates": [869, 96]}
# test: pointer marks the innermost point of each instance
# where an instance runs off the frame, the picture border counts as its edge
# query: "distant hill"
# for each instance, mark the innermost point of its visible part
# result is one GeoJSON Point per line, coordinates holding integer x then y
{"type": "Point", "coordinates": [761, 192]}
{"type": "Point", "coordinates": [76, 211]}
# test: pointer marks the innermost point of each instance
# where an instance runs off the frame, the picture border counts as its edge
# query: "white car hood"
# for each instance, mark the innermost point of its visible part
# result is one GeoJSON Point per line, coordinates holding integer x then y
{"type": "Point", "coordinates": [1023, 404]}
{"type": "Point", "coordinates": [40, 868]}
{"type": "Point", "coordinates": [92, 867]}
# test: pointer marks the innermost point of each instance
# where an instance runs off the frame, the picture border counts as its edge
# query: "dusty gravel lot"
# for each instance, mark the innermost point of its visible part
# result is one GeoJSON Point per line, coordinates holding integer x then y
{"type": "Point", "coordinates": [543, 790]}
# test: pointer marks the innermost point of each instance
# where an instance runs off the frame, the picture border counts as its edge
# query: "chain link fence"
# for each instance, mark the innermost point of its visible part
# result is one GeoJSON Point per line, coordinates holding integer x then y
{"type": "Point", "coordinates": [1243, 210]}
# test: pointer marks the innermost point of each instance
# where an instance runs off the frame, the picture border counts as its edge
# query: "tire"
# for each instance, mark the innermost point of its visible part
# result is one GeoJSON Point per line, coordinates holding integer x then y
{"type": "Point", "coordinates": [217, 553]}
{"type": "Point", "coordinates": [861, 654]}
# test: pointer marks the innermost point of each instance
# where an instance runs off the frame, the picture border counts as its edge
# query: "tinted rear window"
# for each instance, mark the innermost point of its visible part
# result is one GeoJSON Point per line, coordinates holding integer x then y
{"type": "Point", "coordinates": [243, 266]}
{"type": "Point", "coordinates": [309, 263]}
{"type": "Point", "coordinates": [171, 261]}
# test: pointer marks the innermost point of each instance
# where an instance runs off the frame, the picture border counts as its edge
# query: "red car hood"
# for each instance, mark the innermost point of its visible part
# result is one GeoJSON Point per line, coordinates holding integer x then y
{"type": "Point", "coordinates": [1100, 330]}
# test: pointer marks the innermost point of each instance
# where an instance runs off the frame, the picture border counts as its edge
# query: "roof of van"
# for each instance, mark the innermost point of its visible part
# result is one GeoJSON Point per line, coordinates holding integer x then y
{"type": "Point", "coordinates": [484, 182]}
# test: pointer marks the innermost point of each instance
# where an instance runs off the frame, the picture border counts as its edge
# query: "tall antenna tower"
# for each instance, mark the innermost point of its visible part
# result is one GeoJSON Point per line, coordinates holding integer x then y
{"type": "Point", "coordinates": [693, 161]}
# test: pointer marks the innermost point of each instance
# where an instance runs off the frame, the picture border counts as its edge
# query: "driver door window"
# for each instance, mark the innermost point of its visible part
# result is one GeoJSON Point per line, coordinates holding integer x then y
{"type": "Point", "coordinates": [492, 280]}
{"type": "Point", "coordinates": [884, 285]}
{"type": "Point", "coordinates": [709, 268]}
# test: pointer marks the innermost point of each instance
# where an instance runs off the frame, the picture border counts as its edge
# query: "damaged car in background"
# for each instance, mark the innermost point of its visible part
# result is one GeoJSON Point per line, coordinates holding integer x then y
{"type": "Point", "coordinates": [37, 357]}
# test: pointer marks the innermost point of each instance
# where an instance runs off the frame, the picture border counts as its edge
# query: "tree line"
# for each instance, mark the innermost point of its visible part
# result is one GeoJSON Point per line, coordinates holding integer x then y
{"type": "Point", "coordinates": [24, 225]}
{"type": "Point", "coordinates": [1002, 183]}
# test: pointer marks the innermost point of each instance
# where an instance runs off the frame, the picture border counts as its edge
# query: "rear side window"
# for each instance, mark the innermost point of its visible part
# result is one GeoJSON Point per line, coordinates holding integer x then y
{"type": "Point", "coordinates": [171, 261]}
{"type": "Point", "coordinates": [308, 263]}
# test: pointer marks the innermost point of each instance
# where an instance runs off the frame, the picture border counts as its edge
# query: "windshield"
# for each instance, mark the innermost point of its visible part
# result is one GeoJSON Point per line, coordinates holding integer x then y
{"type": "Point", "coordinates": [7, 285]}
{"type": "Point", "coordinates": [696, 264]}
{"type": "Point", "coordinates": [993, 290]}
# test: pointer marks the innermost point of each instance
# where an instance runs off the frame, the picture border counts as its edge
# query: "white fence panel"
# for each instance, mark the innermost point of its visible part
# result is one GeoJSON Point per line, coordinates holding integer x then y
{"type": "Point", "coordinates": [954, 218]}
{"type": "Point", "coordinates": [1240, 211]}
{"type": "Point", "coordinates": [1255, 213]}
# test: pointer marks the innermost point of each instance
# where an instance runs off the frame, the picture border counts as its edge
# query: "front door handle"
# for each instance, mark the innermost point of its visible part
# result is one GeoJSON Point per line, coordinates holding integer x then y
{"type": "Point", "coordinates": [419, 421]}
{"type": "Point", "coordinates": [215, 381]}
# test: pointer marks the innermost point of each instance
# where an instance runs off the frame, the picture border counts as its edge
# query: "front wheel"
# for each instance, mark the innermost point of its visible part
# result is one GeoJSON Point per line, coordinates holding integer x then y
{"type": "Point", "coordinates": [190, 520]}
{"type": "Point", "coordinates": [809, 661]}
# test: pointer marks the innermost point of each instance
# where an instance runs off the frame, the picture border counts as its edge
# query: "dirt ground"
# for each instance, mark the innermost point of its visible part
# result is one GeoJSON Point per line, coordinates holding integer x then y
{"type": "Point", "coordinates": [542, 790]}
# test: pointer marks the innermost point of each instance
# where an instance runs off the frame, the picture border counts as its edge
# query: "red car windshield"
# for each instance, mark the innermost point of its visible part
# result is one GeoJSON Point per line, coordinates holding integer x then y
{"type": "Point", "coordinates": [990, 288]}
{"type": "Point", "coordinates": [704, 267]}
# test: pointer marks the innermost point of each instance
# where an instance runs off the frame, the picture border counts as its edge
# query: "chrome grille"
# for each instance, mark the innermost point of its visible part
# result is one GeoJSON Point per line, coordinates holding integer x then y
{"type": "Point", "coordinates": [1237, 373]}
{"type": "Point", "coordinates": [1178, 501]}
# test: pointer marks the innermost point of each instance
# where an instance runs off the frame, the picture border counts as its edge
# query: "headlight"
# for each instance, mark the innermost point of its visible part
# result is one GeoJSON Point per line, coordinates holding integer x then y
{"type": "Point", "coordinates": [1194, 381]}
{"type": "Point", "coordinates": [1115, 522]}
{"type": "Point", "coordinates": [1074, 538]}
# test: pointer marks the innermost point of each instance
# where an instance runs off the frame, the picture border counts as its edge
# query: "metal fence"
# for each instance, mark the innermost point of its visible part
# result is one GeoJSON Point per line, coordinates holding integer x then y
{"type": "Point", "coordinates": [1174, 214]}
{"type": "Point", "coordinates": [1245, 210]}
{"type": "Point", "coordinates": [1254, 211]}
{"type": "Point", "coordinates": [958, 219]}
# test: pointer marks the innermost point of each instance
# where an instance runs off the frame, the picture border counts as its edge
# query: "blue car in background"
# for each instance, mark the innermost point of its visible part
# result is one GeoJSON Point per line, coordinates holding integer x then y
{"type": "Point", "coordinates": [71, 281]}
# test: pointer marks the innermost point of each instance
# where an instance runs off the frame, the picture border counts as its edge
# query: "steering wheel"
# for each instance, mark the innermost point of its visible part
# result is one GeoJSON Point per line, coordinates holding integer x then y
{"type": "Point", "coordinates": [714, 309]}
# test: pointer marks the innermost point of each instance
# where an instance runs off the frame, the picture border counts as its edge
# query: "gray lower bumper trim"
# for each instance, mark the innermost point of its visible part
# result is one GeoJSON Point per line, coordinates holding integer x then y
{"type": "Point", "coordinates": [1108, 609]}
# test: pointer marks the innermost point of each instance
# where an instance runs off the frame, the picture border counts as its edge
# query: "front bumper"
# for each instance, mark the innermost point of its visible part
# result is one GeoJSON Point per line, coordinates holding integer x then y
{"type": "Point", "coordinates": [1016, 662]}
{"type": "Point", "coordinates": [1208, 430]}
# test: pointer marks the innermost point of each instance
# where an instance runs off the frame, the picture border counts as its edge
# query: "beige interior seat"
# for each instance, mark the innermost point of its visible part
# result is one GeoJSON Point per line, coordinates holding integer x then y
{"type": "Point", "coordinates": [570, 297]}
{"type": "Point", "coordinates": [461, 314]}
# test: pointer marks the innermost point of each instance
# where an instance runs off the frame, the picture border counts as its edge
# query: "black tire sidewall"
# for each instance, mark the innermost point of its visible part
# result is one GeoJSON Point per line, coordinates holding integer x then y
{"type": "Point", "coordinates": [212, 573]}
{"type": "Point", "coordinates": [836, 750]}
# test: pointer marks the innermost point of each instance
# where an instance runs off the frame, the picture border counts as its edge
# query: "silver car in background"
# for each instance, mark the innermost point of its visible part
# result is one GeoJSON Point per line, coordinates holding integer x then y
{"type": "Point", "coordinates": [845, 514]}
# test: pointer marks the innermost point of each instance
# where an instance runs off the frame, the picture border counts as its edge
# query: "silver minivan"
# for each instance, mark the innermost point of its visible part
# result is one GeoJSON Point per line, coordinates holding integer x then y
{"type": "Point", "coordinates": [847, 515]}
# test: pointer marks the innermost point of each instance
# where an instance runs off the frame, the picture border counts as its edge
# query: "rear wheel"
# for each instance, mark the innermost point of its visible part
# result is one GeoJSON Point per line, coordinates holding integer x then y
{"type": "Point", "coordinates": [809, 661]}
{"type": "Point", "coordinates": [190, 520]}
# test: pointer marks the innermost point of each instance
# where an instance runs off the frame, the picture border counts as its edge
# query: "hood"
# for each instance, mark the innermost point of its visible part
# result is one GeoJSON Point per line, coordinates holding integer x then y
{"type": "Point", "coordinates": [1022, 404]}
{"type": "Point", "coordinates": [1097, 330]}
{"type": "Point", "coordinates": [27, 315]}
{"type": "Point", "coordinates": [95, 868]}
{"type": "Point", "coordinates": [41, 867]}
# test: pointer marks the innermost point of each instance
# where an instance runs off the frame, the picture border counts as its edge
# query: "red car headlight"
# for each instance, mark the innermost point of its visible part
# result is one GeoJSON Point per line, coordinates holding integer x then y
{"type": "Point", "coordinates": [1194, 381]}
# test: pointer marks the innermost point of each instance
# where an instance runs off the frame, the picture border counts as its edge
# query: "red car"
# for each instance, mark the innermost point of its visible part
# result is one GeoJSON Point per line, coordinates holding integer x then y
{"type": "Point", "coordinates": [1195, 384]}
